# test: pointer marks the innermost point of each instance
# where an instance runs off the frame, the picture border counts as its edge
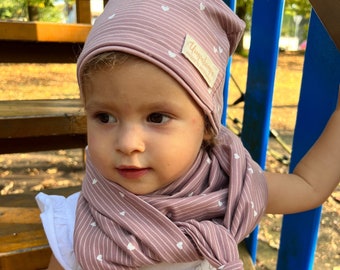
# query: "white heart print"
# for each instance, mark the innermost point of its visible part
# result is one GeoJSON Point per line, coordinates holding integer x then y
{"type": "Point", "coordinates": [165, 8]}
{"type": "Point", "coordinates": [100, 257]}
{"type": "Point", "coordinates": [180, 245]}
{"type": "Point", "coordinates": [131, 247]}
{"type": "Point", "coordinates": [172, 54]}
{"type": "Point", "coordinates": [111, 16]}
{"type": "Point", "coordinates": [202, 6]}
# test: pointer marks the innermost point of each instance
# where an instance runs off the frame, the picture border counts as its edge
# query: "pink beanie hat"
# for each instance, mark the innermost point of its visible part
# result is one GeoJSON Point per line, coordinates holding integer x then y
{"type": "Point", "coordinates": [191, 40]}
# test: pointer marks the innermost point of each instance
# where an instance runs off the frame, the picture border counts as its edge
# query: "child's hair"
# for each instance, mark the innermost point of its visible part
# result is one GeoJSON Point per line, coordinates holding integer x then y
{"type": "Point", "coordinates": [108, 60]}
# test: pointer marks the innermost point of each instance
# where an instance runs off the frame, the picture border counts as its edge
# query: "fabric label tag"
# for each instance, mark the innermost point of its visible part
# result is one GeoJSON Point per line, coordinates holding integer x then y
{"type": "Point", "coordinates": [200, 59]}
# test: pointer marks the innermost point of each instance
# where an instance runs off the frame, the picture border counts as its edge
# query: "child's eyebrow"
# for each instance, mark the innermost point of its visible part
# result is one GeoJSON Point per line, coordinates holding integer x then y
{"type": "Point", "coordinates": [94, 105]}
{"type": "Point", "coordinates": [157, 105]}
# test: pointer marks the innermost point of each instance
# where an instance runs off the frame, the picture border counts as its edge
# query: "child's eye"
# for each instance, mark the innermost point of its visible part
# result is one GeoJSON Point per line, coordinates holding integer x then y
{"type": "Point", "coordinates": [105, 118]}
{"type": "Point", "coordinates": [158, 118]}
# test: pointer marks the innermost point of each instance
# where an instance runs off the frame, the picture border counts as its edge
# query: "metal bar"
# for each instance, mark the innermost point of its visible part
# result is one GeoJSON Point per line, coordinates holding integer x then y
{"type": "Point", "coordinates": [319, 89]}
{"type": "Point", "coordinates": [263, 54]}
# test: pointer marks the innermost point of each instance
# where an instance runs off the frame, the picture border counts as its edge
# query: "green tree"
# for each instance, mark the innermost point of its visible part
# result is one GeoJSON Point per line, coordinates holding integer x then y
{"type": "Point", "coordinates": [296, 20]}
{"type": "Point", "coordinates": [33, 10]}
{"type": "Point", "coordinates": [10, 9]}
{"type": "Point", "coordinates": [293, 8]}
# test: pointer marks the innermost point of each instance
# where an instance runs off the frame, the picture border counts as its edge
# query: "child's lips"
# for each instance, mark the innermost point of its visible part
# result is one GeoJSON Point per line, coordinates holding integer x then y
{"type": "Point", "coordinates": [131, 172]}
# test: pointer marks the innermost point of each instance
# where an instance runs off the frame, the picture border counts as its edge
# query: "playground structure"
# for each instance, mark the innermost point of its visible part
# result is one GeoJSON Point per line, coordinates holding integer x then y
{"type": "Point", "coordinates": [319, 89]}
{"type": "Point", "coordinates": [320, 84]}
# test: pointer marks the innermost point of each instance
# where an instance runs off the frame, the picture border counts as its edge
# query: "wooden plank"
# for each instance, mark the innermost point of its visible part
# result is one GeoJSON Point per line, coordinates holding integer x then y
{"type": "Point", "coordinates": [23, 241]}
{"type": "Point", "coordinates": [44, 32]}
{"type": "Point", "coordinates": [83, 11]}
{"type": "Point", "coordinates": [33, 118]}
{"type": "Point", "coordinates": [45, 107]}
{"type": "Point", "coordinates": [38, 125]}
{"type": "Point", "coordinates": [28, 260]}
{"type": "Point", "coordinates": [12, 51]}
{"type": "Point", "coordinates": [43, 143]}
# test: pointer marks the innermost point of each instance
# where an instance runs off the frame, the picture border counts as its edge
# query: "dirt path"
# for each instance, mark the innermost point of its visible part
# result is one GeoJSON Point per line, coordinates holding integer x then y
{"type": "Point", "coordinates": [36, 171]}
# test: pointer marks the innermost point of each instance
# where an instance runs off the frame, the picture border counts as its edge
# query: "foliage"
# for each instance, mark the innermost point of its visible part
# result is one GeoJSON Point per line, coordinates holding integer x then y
{"type": "Point", "coordinates": [293, 10]}
{"type": "Point", "coordinates": [40, 3]}
{"type": "Point", "coordinates": [298, 7]}
{"type": "Point", "coordinates": [10, 9]}
{"type": "Point", "coordinates": [296, 18]}
{"type": "Point", "coordinates": [18, 10]}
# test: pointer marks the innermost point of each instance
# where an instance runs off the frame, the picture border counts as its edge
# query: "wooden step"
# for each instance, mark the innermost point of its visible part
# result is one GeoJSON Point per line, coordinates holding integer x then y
{"type": "Point", "coordinates": [23, 244]}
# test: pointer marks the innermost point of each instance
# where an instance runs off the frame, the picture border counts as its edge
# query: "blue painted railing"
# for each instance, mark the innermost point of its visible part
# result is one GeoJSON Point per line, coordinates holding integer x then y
{"type": "Point", "coordinates": [319, 89]}
{"type": "Point", "coordinates": [320, 83]}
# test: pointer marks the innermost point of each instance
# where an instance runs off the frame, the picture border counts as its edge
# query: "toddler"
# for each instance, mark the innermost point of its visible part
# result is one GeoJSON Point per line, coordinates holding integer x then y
{"type": "Point", "coordinates": [166, 185]}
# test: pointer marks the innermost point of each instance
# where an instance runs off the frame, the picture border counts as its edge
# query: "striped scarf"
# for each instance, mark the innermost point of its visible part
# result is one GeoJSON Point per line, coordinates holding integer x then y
{"type": "Point", "coordinates": [202, 215]}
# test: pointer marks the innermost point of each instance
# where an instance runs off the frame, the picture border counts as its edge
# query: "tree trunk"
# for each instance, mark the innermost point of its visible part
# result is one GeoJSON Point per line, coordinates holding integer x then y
{"type": "Point", "coordinates": [241, 11]}
{"type": "Point", "coordinates": [33, 13]}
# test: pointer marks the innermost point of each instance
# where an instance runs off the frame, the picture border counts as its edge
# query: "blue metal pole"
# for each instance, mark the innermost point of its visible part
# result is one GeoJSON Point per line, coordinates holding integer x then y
{"type": "Point", "coordinates": [263, 54]}
{"type": "Point", "coordinates": [232, 5]}
{"type": "Point", "coordinates": [319, 89]}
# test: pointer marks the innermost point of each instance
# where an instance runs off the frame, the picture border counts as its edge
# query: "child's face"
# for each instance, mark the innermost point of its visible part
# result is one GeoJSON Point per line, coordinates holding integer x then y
{"type": "Point", "coordinates": [144, 131]}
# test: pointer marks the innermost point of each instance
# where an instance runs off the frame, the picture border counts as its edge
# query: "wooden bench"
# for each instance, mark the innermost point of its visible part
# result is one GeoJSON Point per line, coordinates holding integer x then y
{"type": "Point", "coordinates": [39, 125]}
{"type": "Point", "coordinates": [23, 244]}
{"type": "Point", "coordinates": [39, 42]}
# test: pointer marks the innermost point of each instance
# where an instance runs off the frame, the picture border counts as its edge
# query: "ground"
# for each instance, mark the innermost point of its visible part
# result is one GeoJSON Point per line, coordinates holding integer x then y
{"type": "Point", "coordinates": [24, 172]}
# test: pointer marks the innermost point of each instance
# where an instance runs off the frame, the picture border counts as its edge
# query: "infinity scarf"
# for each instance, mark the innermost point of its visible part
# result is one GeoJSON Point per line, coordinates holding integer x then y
{"type": "Point", "coordinates": [202, 215]}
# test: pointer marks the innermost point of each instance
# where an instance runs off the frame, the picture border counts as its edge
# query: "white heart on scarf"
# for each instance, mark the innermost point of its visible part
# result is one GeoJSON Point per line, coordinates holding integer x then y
{"type": "Point", "coordinates": [252, 204]}
{"type": "Point", "coordinates": [255, 213]}
{"type": "Point", "coordinates": [112, 16]}
{"type": "Point", "coordinates": [220, 49]}
{"type": "Point", "coordinates": [220, 203]}
{"type": "Point", "coordinates": [131, 247]}
{"type": "Point", "coordinates": [100, 257]}
{"type": "Point", "coordinates": [93, 224]}
{"type": "Point", "coordinates": [215, 50]}
{"type": "Point", "coordinates": [251, 170]}
{"type": "Point", "coordinates": [165, 8]}
{"type": "Point", "coordinates": [121, 194]}
{"type": "Point", "coordinates": [122, 213]}
{"type": "Point", "coordinates": [172, 54]}
{"type": "Point", "coordinates": [236, 156]}
{"type": "Point", "coordinates": [202, 6]}
{"type": "Point", "coordinates": [180, 245]}
{"type": "Point", "coordinates": [94, 181]}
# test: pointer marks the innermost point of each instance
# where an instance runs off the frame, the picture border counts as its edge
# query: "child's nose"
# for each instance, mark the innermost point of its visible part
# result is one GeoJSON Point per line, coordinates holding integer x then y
{"type": "Point", "coordinates": [130, 140]}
